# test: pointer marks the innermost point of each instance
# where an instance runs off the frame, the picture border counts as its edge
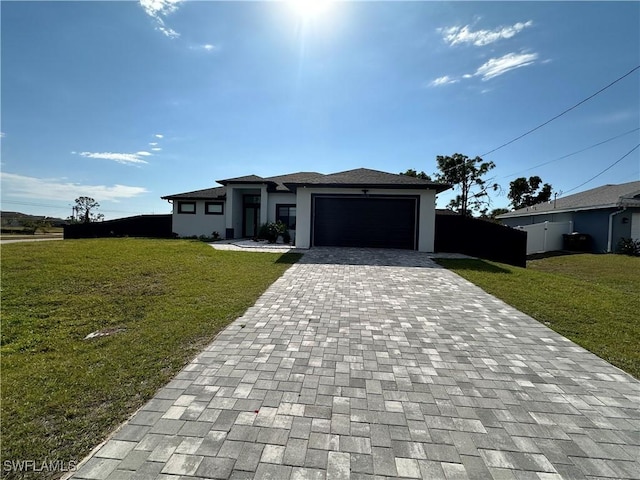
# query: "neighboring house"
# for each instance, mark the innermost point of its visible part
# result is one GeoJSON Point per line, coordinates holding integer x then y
{"type": "Point", "coordinates": [607, 213]}
{"type": "Point", "coordinates": [359, 207]}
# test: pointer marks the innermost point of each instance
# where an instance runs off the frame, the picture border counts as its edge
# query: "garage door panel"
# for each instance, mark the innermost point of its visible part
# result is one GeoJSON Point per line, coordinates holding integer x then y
{"type": "Point", "coordinates": [365, 222]}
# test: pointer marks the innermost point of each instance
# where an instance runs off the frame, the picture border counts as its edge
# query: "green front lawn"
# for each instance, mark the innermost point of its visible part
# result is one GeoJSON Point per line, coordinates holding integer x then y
{"type": "Point", "coordinates": [61, 394]}
{"type": "Point", "coordinates": [590, 299]}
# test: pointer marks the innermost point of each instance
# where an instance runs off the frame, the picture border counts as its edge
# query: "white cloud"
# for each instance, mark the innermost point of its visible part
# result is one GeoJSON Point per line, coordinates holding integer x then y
{"type": "Point", "coordinates": [498, 66]}
{"type": "Point", "coordinates": [445, 80]}
{"type": "Point", "coordinates": [168, 32]}
{"type": "Point", "coordinates": [124, 158]}
{"type": "Point", "coordinates": [2, 135]}
{"type": "Point", "coordinates": [153, 144]}
{"type": "Point", "coordinates": [143, 154]}
{"type": "Point", "coordinates": [158, 9]}
{"type": "Point", "coordinates": [207, 47]}
{"type": "Point", "coordinates": [494, 67]}
{"type": "Point", "coordinates": [158, 135]}
{"type": "Point", "coordinates": [461, 35]}
{"type": "Point", "coordinates": [156, 149]}
{"type": "Point", "coordinates": [58, 189]}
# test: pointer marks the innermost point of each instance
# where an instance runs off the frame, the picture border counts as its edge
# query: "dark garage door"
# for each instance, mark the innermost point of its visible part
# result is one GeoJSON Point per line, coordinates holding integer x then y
{"type": "Point", "coordinates": [388, 222]}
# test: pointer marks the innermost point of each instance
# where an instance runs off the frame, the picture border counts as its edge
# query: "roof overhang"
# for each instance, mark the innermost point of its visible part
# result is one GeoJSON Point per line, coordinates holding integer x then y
{"type": "Point", "coordinates": [247, 182]}
{"type": "Point", "coordinates": [438, 187]}
{"type": "Point", "coordinates": [194, 197]}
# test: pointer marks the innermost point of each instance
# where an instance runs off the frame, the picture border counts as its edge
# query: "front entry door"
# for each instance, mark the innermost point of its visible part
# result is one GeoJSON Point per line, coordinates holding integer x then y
{"type": "Point", "coordinates": [251, 216]}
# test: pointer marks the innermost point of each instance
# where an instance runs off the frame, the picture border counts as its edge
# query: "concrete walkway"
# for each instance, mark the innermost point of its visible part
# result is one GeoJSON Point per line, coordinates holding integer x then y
{"type": "Point", "coordinates": [376, 364]}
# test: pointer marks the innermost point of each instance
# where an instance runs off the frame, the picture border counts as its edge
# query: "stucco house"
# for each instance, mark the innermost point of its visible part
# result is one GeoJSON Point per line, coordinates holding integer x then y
{"type": "Point", "coordinates": [362, 207]}
{"type": "Point", "coordinates": [607, 213]}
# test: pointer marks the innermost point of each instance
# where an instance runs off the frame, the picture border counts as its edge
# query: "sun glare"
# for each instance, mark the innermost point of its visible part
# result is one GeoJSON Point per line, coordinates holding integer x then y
{"type": "Point", "coordinates": [309, 9]}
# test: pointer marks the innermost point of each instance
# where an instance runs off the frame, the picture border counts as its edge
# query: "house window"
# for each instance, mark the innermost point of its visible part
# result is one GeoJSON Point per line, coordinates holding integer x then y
{"type": "Point", "coordinates": [287, 215]}
{"type": "Point", "coordinates": [214, 208]}
{"type": "Point", "coordinates": [187, 207]}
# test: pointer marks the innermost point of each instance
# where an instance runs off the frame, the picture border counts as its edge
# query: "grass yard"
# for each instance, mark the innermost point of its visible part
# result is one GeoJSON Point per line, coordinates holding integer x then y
{"type": "Point", "coordinates": [61, 394]}
{"type": "Point", "coordinates": [590, 299]}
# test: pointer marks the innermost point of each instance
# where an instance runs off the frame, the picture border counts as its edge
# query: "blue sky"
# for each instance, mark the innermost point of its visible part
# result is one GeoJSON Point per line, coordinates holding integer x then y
{"type": "Point", "coordinates": [129, 101]}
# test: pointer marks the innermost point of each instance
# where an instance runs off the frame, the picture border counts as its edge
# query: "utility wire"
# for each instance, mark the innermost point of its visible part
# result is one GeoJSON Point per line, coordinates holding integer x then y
{"type": "Point", "coordinates": [561, 114]}
{"type": "Point", "coordinates": [610, 166]}
{"type": "Point", "coordinates": [574, 153]}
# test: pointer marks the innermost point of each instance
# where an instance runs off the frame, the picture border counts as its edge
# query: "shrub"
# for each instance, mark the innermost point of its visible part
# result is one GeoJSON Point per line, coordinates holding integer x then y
{"type": "Point", "coordinates": [271, 231]}
{"type": "Point", "coordinates": [629, 246]}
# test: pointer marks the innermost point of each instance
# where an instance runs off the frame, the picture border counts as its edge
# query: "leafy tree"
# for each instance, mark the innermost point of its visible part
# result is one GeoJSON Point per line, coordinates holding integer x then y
{"type": "Point", "coordinates": [33, 225]}
{"type": "Point", "coordinates": [413, 173]}
{"type": "Point", "coordinates": [491, 216]}
{"type": "Point", "coordinates": [465, 174]}
{"type": "Point", "coordinates": [497, 211]}
{"type": "Point", "coordinates": [525, 193]}
{"type": "Point", "coordinates": [85, 211]}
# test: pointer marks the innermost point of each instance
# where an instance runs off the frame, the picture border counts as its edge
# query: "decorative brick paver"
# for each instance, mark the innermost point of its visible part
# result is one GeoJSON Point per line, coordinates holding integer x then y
{"type": "Point", "coordinates": [363, 363]}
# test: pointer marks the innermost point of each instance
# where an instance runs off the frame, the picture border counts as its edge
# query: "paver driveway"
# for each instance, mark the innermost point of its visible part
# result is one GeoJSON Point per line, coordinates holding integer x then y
{"type": "Point", "coordinates": [369, 363]}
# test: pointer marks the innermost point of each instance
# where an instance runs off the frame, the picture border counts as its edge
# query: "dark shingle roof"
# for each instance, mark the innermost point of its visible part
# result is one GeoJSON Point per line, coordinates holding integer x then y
{"type": "Point", "coordinates": [299, 177]}
{"type": "Point", "coordinates": [606, 196]}
{"type": "Point", "coordinates": [369, 178]}
{"type": "Point", "coordinates": [205, 194]}
{"type": "Point", "coordinates": [245, 179]}
{"type": "Point", "coordinates": [360, 177]}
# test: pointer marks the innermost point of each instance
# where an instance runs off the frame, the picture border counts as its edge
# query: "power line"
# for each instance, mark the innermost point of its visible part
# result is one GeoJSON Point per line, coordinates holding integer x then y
{"type": "Point", "coordinates": [561, 114]}
{"type": "Point", "coordinates": [562, 157]}
{"type": "Point", "coordinates": [574, 153]}
{"type": "Point", "coordinates": [610, 166]}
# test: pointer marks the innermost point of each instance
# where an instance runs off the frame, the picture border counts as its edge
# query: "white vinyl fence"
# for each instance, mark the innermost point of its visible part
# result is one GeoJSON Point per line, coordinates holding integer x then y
{"type": "Point", "coordinates": [545, 237]}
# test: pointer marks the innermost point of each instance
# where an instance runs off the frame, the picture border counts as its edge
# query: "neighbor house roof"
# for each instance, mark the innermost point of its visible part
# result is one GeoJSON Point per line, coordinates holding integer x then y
{"type": "Point", "coordinates": [361, 177]}
{"type": "Point", "coordinates": [606, 196]}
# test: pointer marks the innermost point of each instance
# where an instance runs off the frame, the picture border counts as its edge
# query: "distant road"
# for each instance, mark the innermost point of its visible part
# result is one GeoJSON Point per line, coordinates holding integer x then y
{"type": "Point", "coordinates": [18, 240]}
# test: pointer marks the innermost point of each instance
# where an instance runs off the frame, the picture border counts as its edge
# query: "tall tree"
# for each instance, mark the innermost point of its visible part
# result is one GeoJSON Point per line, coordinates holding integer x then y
{"type": "Point", "coordinates": [85, 210]}
{"type": "Point", "coordinates": [413, 173]}
{"type": "Point", "coordinates": [465, 174]}
{"type": "Point", "coordinates": [525, 193]}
